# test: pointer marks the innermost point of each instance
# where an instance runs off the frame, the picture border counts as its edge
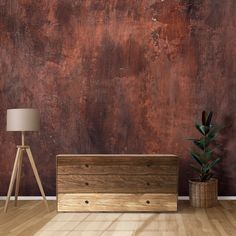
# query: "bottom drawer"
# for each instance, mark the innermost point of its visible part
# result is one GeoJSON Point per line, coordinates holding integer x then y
{"type": "Point", "coordinates": [83, 202]}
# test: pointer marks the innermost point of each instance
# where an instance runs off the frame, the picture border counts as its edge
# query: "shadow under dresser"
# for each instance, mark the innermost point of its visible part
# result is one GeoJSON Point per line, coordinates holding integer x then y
{"type": "Point", "coordinates": [117, 182]}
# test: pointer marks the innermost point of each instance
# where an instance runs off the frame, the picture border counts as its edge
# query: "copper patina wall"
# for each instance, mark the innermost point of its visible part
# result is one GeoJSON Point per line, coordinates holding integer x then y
{"type": "Point", "coordinates": [117, 76]}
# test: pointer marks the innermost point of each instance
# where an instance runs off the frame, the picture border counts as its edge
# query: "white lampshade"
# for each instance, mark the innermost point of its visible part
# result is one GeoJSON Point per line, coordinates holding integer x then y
{"type": "Point", "coordinates": [26, 119]}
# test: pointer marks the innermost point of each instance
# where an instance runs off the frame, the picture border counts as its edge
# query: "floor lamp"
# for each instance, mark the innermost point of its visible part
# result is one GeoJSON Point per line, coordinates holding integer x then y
{"type": "Point", "coordinates": [22, 120]}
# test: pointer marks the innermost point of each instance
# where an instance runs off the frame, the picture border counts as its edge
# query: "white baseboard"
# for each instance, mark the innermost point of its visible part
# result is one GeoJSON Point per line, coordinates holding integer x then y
{"type": "Point", "coordinates": [219, 198]}
{"type": "Point", "coordinates": [183, 197]}
{"type": "Point", "coordinates": [30, 198]}
{"type": "Point", "coordinates": [53, 198]}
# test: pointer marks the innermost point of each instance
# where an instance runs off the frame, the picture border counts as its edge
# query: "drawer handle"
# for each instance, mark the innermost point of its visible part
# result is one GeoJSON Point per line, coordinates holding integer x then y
{"type": "Point", "coordinates": [87, 165]}
{"type": "Point", "coordinates": [148, 165]}
{"type": "Point", "coordinates": [148, 184]}
{"type": "Point", "coordinates": [148, 202]}
{"type": "Point", "coordinates": [86, 202]}
{"type": "Point", "coordinates": [86, 184]}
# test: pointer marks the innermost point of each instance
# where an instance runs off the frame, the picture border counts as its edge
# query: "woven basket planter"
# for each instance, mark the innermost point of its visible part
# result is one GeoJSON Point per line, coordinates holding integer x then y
{"type": "Point", "coordinates": [203, 194]}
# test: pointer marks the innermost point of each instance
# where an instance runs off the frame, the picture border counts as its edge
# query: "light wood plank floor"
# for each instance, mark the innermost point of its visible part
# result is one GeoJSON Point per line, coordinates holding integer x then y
{"type": "Point", "coordinates": [31, 218]}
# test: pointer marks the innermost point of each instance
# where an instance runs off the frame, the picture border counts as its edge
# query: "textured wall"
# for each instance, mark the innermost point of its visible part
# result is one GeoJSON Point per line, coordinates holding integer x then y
{"type": "Point", "coordinates": [116, 76]}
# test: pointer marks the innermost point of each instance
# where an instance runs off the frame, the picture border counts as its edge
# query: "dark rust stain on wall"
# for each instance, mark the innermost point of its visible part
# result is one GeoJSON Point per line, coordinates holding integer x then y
{"type": "Point", "coordinates": [117, 77]}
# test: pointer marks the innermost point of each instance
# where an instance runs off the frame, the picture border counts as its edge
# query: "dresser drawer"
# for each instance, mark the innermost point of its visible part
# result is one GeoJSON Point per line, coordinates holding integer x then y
{"type": "Point", "coordinates": [164, 165]}
{"type": "Point", "coordinates": [116, 202]}
{"type": "Point", "coordinates": [116, 183]}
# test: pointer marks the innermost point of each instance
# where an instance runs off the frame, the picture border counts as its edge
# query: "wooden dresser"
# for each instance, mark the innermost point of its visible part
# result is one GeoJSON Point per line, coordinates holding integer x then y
{"type": "Point", "coordinates": [111, 182]}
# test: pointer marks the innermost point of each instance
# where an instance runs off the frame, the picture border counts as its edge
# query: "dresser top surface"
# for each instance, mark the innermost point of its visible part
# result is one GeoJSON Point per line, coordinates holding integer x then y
{"type": "Point", "coordinates": [117, 155]}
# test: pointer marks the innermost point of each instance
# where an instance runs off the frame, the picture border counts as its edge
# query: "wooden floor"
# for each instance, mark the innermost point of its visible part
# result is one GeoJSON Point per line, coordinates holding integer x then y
{"type": "Point", "coordinates": [31, 218]}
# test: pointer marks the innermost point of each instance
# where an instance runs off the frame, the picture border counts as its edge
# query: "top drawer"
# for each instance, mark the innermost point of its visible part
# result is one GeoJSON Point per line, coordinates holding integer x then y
{"type": "Point", "coordinates": [117, 164]}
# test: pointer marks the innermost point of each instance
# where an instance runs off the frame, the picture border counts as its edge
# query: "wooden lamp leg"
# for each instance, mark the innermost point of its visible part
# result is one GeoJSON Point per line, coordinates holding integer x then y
{"type": "Point", "coordinates": [13, 177]}
{"type": "Point", "coordinates": [36, 176]}
{"type": "Point", "coordinates": [18, 175]}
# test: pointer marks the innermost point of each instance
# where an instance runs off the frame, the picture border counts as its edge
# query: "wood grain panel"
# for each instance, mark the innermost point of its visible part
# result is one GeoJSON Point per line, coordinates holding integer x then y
{"type": "Point", "coordinates": [123, 164]}
{"type": "Point", "coordinates": [32, 217]}
{"type": "Point", "coordinates": [100, 168]}
{"type": "Point", "coordinates": [148, 169]}
{"type": "Point", "coordinates": [120, 182]}
{"type": "Point", "coordinates": [117, 202]}
{"type": "Point", "coordinates": [111, 159]}
{"type": "Point", "coordinates": [116, 183]}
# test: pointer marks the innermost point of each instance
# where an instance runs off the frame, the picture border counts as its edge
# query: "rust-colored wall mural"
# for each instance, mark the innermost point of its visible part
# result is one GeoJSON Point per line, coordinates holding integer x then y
{"type": "Point", "coordinates": [117, 76]}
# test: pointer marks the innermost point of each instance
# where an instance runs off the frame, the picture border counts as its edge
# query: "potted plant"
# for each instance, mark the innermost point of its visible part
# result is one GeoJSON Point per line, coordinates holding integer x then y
{"type": "Point", "coordinates": [203, 191]}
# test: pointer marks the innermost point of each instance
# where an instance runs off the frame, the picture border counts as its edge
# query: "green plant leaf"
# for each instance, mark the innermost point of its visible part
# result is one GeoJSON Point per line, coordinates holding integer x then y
{"type": "Point", "coordinates": [203, 117]}
{"type": "Point", "coordinates": [195, 156]}
{"type": "Point", "coordinates": [205, 169]}
{"type": "Point", "coordinates": [202, 143]}
{"type": "Point", "coordinates": [212, 164]}
{"type": "Point", "coordinates": [191, 139]}
{"type": "Point", "coordinates": [207, 155]}
{"type": "Point", "coordinates": [209, 176]}
{"type": "Point", "coordinates": [198, 144]}
{"type": "Point", "coordinates": [205, 141]}
{"type": "Point", "coordinates": [200, 156]}
{"type": "Point", "coordinates": [202, 129]}
{"type": "Point", "coordinates": [203, 157]}
{"type": "Point", "coordinates": [196, 169]}
{"type": "Point", "coordinates": [206, 177]}
{"type": "Point", "coordinates": [209, 117]}
{"type": "Point", "coordinates": [213, 132]}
